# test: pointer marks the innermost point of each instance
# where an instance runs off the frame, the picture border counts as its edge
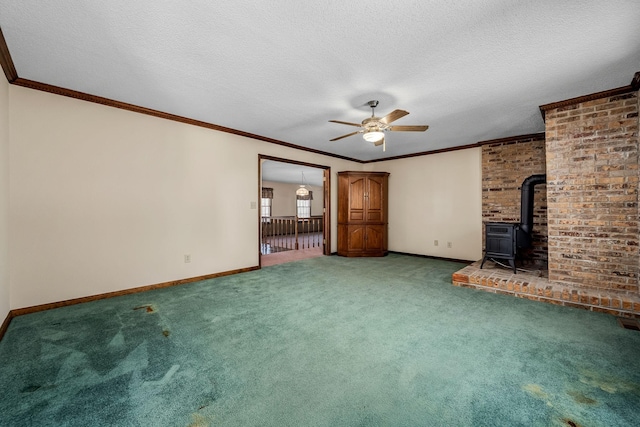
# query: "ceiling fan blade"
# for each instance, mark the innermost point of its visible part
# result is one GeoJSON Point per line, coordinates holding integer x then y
{"type": "Point", "coordinates": [393, 116]}
{"type": "Point", "coordinates": [344, 136]}
{"type": "Point", "coordinates": [346, 123]}
{"type": "Point", "coordinates": [409, 128]}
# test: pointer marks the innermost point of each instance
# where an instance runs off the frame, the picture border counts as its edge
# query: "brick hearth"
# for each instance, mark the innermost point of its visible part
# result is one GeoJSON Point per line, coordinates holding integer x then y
{"type": "Point", "coordinates": [586, 219]}
{"type": "Point", "coordinates": [535, 286]}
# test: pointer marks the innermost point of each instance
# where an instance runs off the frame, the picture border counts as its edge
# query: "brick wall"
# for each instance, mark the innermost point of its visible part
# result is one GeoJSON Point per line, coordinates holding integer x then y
{"type": "Point", "coordinates": [505, 164]}
{"type": "Point", "coordinates": [592, 190]}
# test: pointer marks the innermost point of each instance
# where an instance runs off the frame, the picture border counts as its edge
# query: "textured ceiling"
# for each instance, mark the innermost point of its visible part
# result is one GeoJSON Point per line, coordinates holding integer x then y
{"type": "Point", "coordinates": [291, 173]}
{"type": "Point", "coordinates": [282, 69]}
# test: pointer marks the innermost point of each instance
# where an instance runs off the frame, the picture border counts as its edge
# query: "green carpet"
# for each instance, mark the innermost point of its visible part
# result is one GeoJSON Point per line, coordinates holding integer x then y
{"type": "Point", "coordinates": [328, 341]}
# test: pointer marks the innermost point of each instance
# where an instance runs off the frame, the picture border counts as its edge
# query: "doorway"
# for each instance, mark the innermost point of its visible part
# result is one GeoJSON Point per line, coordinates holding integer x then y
{"type": "Point", "coordinates": [294, 221]}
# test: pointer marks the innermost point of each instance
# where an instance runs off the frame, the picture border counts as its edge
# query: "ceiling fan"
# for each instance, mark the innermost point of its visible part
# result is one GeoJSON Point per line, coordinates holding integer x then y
{"type": "Point", "coordinates": [373, 128]}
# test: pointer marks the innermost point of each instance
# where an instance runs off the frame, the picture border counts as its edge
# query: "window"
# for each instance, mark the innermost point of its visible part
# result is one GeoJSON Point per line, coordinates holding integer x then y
{"type": "Point", "coordinates": [303, 208]}
{"type": "Point", "coordinates": [265, 202]}
{"type": "Point", "coordinates": [265, 206]}
{"type": "Point", "coordinates": [303, 205]}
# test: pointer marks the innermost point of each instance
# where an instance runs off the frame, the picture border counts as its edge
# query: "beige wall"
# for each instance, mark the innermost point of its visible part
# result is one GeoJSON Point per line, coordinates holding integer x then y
{"type": "Point", "coordinates": [284, 199]}
{"type": "Point", "coordinates": [104, 199]}
{"type": "Point", "coordinates": [436, 197]}
{"type": "Point", "coordinates": [4, 200]}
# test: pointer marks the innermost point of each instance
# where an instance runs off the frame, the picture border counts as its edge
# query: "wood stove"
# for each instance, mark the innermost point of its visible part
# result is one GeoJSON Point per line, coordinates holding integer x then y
{"type": "Point", "coordinates": [503, 239]}
{"type": "Point", "coordinates": [500, 242]}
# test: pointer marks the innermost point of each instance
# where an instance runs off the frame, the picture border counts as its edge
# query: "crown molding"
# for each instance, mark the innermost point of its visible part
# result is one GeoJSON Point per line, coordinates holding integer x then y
{"type": "Point", "coordinates": [540, 136]}
{"type": "Point", "coordinates": [424, 153]}
{"type": "Point", "coordinates": [585, 98]}
{"type": "Point", "coordinates": [633, 86]}
{"type": "Point", "coordinates": [44, 87]}
{"type": "Point", "coordinates": [162, 115]}
{"type": "Point", "coordinates": [635, 83]}
{"type": "Point", "coordinates": [12, 77]}
{"type": "Point", "coordinates": [5, 60]}
{"type": "Point", "coordinates": [510, 139]}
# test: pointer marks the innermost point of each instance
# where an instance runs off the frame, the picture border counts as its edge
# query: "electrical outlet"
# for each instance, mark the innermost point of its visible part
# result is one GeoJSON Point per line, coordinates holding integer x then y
{"type": "Point", "coordinates": [187, 259]}
{"type": "Point", "coordinates": [435, 243]}
{"type": "Point", "coordinates": [449, 244]}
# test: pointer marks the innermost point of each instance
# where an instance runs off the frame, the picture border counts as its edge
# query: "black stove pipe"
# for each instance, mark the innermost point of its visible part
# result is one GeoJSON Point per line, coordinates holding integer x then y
{"type": "Point", "coordinates": [526, 209]}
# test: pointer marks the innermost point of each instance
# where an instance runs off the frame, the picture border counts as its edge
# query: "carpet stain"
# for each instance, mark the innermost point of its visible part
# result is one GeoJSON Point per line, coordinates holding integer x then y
{"type": "Point", "coordinates": [34, 387]}
{"type": "Point", "coordinates": [147, 308]}
{"type": "Point", "coordinates": [536, 391]}
{"type": "Point", "coordinates": [243, 333]}
{"type": "Point", "coordinates": [581, 398]}
{"type": "Point", "coordinates": [570, 423]}
{"type": "Point", "coordinates": [166, 333]}
{"type": "Point", "coordinates": [607, 383]}
{"type": "Point", "coordinates": [199, 421]}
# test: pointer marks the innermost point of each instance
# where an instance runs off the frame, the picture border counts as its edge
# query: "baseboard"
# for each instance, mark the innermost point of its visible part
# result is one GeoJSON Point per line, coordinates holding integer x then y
{"type": "Point", "coordinates": [74, 301]}
{"type": "Point", "coordinates": [464, 261]}
{"type": "Point", "coordinates": [5, 324]}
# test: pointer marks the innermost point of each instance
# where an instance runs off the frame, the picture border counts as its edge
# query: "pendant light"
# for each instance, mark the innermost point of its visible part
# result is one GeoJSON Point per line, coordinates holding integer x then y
{"type": "Point", "coordinates": [302, 191]}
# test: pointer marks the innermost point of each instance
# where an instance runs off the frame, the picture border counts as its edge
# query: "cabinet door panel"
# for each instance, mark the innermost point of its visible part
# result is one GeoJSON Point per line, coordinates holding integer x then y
{"type": "Point", "coordinates": [374, 216]}
{"type": "Point", "coordinates": [374, 238]}
{"type": "Point", "coordinates": [356, 198]}
{"type": "Point", "coordinates": [356, 215]}
{"type": "Point", "coordinates": [375, 199]}
{"type": "Point", "coordinates": [356, 239]}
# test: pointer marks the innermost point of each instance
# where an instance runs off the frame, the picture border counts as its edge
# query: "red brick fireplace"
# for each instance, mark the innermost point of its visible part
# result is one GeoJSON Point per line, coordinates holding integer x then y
{"type": "Point", "coordinates": [586, 236]}
{"type": "Point", "coordinates": [505, 165]}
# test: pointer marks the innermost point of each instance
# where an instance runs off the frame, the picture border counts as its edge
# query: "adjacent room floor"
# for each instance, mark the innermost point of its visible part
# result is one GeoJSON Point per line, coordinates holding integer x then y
{"type": "Point", "coordinates": [289, 256]}
{"type": "Point", "coordinates": [282, 249]}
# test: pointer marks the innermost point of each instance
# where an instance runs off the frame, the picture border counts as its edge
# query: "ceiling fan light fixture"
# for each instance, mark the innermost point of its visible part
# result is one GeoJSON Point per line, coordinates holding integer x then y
{"type": "Point", "coordinates": [373, 136]}
{"type": "Point", "coordinates": [373, 128]}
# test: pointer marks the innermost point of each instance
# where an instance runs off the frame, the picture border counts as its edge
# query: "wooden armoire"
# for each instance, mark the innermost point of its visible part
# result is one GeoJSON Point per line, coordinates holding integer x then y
{"type": "Point", "coordinates": [362, 213]}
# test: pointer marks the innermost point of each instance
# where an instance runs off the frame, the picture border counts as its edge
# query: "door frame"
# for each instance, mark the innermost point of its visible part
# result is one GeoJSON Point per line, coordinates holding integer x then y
{"type": "Point", "coordinates": [326, 193]}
